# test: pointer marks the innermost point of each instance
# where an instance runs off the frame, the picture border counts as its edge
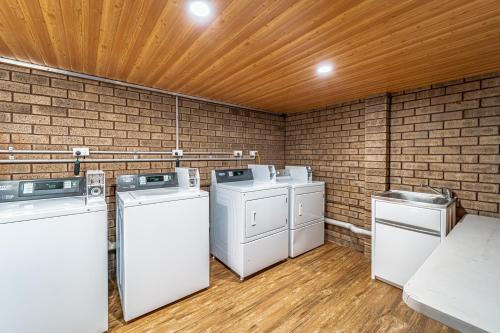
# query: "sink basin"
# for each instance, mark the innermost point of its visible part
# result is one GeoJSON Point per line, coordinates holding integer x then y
{"type": "Point", "coordinates": [416, 197]}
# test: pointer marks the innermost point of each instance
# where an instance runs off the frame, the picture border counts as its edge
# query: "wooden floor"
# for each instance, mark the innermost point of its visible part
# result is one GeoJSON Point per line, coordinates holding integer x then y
{"type": "Point", "coordinates": [326, 290]}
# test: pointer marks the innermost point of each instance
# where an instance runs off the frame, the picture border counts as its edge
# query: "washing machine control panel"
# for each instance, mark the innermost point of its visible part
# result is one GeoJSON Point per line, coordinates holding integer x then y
{"type": "Point", "coordinates": [50, 187]}
{"type": "Point", "coordinates": [232, 175]}
{"type": "Point", "coordinates": [17, 190]}
{"type": "Point", "coordinates": [146, 181]}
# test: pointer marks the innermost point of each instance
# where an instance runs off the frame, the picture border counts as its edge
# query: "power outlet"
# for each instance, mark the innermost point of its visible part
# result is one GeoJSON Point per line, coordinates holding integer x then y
{"type": "Point", "coordinates": [253, 153]}
{"type": "Point", "coordinates": [238, 153]}
{"type": "Point", "coordinates": [81, 151]}
{"type": "Point", "coordinates": [177, 152]}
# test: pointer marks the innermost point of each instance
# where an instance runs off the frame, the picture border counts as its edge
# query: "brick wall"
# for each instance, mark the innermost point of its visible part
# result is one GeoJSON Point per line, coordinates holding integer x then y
{"type": "Point", "coordinates": [443, 135]}
{"type": "Point", "coordinates": [377, 153]}
{"type": "Point", "coordinates": [332, 141]}
{"type": "Point", "coordinates": [42, 110]}
{"type": "Point", "coordinates": [447, 135]}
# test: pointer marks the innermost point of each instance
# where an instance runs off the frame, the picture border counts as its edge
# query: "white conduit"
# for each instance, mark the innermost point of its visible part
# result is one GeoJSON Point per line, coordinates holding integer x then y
{"type": "Point", "coordinates": [176, 122]}
{"type": "Point", "coordinates": [349, 226]}
{"type": "Point", "coordinates": [210, 154]}
{"type": "Point", "coordinates": [111, 152]}
{"type": "Point", "coordinates": [121, 160]}
{"type": "Point", "coordinates": [121, 83]}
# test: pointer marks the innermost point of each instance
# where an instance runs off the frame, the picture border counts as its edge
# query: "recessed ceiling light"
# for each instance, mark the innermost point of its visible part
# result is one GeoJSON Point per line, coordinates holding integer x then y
{"type": "Point", "coordinates": [324, 68]}
{"type": "Point", "coordinates": [200, 8]}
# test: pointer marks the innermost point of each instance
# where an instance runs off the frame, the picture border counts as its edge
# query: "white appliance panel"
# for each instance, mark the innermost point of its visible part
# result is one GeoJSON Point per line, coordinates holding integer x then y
{"type": "Point", "coordinates": [398, 252]}
{"type": "Point", "coordinates": [26, 210]}
{"type": "Point", "coordinates": [166, 255]}
{"type": "Point", "coordinates": [306, 238]}
{"type": "Point", "coordinates": [265, 214]}
{"type": "Point", "coordinates": [54, 278]}
{"type": "Point", "coordinates": [308, 207]}
{"type": "Point", "coordinates": [226, 236]}
{"type": "Point", "coordinates": [264, 252]}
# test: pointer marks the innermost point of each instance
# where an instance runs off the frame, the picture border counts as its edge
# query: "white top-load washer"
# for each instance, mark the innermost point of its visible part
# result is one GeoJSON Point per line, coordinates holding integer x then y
{"type": "Point", "coordinates": [307, 205]}
{"type": "Point", "coordinates": [162, 241]}
{"type": "Point", "coordinates": [53, 257]}
{"type": "Point", "coordinates": [249, 221]}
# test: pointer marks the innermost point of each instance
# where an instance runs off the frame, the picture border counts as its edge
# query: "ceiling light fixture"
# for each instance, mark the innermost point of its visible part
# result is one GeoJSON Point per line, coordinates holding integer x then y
{"type": "Point", "coordinates": [200, 8]}
{"type": "Point", "coordinates": [324, 68]}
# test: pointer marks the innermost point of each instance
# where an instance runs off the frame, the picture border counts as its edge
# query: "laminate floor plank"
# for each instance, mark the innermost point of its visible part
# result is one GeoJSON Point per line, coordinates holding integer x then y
{"type": "Point", "coordinates": [326, 290]}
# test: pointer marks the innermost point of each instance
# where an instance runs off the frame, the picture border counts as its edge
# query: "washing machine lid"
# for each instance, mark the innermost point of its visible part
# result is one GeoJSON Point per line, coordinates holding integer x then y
{"type": "Point", "coordinates": [250, 186]}
{"type": "Point", "coordinates": [157, 195]}
{"type": "Point", "coordinates": [294, 183]}
{"type": "Point", "coordinates": [19, 211]}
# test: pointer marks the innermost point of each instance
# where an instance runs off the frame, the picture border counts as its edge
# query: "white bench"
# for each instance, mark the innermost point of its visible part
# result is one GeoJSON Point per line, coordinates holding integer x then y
{"type": "Point", "coordinates": [459, 284]}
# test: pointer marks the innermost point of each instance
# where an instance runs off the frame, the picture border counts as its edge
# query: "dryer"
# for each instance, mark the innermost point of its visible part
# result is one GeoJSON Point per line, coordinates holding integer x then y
{"type": "Point", "coordinates": [307, 206]}
{"type": "Point", "coordinates": [53, 257]}
{"type": "Point", "coordinates": [249, 221]}
{"type": "Point", "coordinates": [162, 241]}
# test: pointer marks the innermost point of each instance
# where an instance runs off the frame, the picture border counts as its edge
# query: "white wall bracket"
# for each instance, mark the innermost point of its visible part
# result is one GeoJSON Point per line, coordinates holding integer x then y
{"type": "Point", "coordinates": [81, 151]}
{"type": "Point", "coordinates": [177, 152]}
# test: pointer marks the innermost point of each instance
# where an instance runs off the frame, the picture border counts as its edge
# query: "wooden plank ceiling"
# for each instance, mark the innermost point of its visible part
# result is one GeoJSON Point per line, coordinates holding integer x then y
{"type": "Point", "coordinates": [259, 53]}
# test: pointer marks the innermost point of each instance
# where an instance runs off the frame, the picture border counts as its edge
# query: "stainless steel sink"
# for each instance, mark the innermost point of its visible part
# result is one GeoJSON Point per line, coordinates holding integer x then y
{"type": "Point", "coordinates": [415, 197]}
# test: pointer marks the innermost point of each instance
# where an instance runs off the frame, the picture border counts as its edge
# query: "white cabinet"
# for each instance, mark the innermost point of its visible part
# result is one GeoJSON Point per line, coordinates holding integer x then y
{"type": "Point", "coordinates": [404, 235]}
{"type": "Point", "coordinates": [399, 252]}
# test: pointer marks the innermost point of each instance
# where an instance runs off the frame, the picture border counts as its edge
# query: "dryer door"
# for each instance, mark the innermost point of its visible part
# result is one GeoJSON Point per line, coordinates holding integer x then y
{"type": "Point", "coordinates": [265, 215]}
{"type": "Point", "coordinates": [308, 207]}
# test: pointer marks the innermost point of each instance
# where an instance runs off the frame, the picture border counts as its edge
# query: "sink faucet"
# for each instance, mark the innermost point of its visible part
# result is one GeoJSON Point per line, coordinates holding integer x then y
{"type": "Point", "coordinates": [445, 192]}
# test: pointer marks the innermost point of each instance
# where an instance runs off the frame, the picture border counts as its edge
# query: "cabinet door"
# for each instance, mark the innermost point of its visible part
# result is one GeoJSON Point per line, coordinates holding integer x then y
{"type": "Point", "coordinates": [265, 214]}
{"type": "Point", "coordinates": [308, 207]}
{"type": "Point", "coordinates": [400, 252]}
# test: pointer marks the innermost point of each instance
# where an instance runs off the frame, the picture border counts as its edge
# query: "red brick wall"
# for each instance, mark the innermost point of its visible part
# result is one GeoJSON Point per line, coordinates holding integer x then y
{"type": "Point", "coordinates": [42, 110]}
{"type": "Point", "coordinates": [443, 135]}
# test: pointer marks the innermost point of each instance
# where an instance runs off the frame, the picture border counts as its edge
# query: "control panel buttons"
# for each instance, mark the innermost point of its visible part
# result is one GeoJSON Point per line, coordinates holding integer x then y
{"type": "Point", "coordinates": [95, 191]}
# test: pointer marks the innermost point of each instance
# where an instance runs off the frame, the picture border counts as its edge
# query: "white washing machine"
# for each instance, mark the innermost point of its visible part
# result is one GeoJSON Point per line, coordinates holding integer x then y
{"type": "Point", "coordinates": [249, 221]}
{"type": "Point", "coordinates": [307, 206]}
{"type": "Point", "coordinates": [53, 257]}
{"type": "Point", "coordinates": [162, 241]}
